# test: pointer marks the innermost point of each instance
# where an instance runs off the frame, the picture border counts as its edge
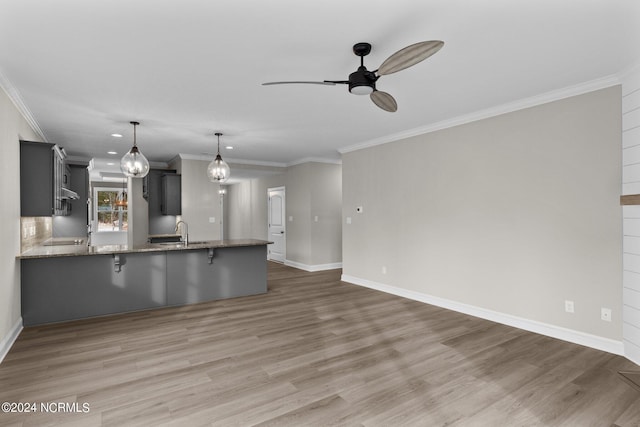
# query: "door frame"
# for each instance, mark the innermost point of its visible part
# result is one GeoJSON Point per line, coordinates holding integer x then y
{"type": "Point", "coordinates": [284, 220]}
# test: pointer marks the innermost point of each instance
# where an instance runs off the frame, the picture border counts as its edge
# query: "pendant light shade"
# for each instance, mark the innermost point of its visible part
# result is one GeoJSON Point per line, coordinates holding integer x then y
{"type": "Point", "coordinates": [218, 170]}
{"type": "Point", "coordinates": [134, 164]}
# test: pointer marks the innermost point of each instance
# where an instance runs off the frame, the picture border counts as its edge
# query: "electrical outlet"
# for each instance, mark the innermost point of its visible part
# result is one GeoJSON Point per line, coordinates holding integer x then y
{"type": "Point", "coordinates": [348, 220]}
{"type": "Point", "coordinates": [605, 314]}
{"type": "Point", "coordinates": [568, 306]}
{"type": "Point", "coordinates": [384, 269]}
{"type": "Point", "coordinates": [212, 219]}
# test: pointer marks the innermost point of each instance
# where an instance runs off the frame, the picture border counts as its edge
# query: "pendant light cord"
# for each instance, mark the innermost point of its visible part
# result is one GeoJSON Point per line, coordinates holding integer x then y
{"type": "Point", "coordinates": [218, 135]}
{"type": "Point", "coordinates": [135, 124]}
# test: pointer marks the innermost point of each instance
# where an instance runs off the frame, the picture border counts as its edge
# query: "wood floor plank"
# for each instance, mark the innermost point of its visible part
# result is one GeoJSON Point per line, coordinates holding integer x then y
{"type": "Point", "coordinates": [312, 351]}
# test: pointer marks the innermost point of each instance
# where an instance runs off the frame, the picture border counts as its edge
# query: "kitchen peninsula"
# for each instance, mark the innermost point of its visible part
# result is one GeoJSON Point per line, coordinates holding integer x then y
{"type": "Point", "coordinates": [68, 282]}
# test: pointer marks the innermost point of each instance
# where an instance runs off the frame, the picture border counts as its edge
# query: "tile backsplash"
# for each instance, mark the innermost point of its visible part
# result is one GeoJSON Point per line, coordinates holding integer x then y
{"type": "Point", "coordinates": [34, 231]}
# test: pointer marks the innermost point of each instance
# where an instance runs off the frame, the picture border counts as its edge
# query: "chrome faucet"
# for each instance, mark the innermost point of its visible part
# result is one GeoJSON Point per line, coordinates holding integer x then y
{"type": "Point", "coordinates": [185, 229]}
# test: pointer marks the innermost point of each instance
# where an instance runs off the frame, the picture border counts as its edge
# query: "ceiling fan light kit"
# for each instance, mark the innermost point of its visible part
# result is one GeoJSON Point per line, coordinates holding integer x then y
{"type": "Point", "coordinates": [363, 81]}
{"type": "Point", "coordinates": [134, 164]}
{"type": "Point", "coordinates": [218, 170]}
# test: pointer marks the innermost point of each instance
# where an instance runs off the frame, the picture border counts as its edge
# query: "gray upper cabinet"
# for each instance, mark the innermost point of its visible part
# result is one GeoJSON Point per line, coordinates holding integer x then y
{"type": "Point", "coordinates": [158, 222]}
{"type": "Point", "coordinates": [36, 179]}
{"type": "Point", "coordinates": [171, 195]}
{"type": "Point", "coordinates": [43, 173]}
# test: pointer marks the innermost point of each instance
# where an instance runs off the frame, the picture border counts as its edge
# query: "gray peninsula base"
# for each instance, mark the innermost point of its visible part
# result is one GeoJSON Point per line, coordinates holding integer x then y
{"type": "Point", "coordinates": [65, 288]}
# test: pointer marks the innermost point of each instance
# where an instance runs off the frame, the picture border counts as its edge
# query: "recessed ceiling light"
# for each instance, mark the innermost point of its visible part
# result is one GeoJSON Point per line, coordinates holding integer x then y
{"type": "Point", "coordinates": [112, 152]}
{"type": "Point", "coordinates": [116, 135]}
{"type": "Point", "coordinates": [229, 147]}
{"type": "Point", "coordinates": [110, 164]}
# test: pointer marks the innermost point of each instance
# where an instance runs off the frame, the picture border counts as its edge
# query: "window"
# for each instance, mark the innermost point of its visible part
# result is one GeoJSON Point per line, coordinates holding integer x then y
{"type": "Point", "coordinates": [108, 215]}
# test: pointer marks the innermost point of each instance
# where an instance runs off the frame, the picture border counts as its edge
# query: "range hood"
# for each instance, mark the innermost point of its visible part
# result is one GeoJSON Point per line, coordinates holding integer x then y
{"type": "Point", "coordinates": [68, 194]}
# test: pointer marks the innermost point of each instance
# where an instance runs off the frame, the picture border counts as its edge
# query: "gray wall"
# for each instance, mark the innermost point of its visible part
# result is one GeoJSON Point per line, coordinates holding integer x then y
{"type": "Point", "coordinates": [13, 128]}
{"type": "Point", "coordinates": [312, 189]}
{"type": "Point", "coordinates": [138, 214]}
{"type": "Point", "coordinates": [246, 204]}
{"type": "Point", "coordinates": [200, 199]}
{"type": "Point", "coordinates": [512, 214]}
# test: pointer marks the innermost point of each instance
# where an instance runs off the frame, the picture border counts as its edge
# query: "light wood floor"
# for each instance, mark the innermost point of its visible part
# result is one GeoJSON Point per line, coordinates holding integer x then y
{"type": "Point", "coordinates": [313, 351]}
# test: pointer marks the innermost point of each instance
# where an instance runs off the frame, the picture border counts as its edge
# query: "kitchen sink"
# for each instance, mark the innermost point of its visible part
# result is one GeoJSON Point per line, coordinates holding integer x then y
{"type": "Point", "coordinates": [64, 242]}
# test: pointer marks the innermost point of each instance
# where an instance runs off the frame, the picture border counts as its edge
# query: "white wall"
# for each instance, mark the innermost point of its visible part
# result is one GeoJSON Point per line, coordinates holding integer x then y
{"type": "Point", "coordinates": [508, 216]}
{"type": "Point", "coordinates": [631, 214]}
{"type": "Point", "coordinates": [13, 127]}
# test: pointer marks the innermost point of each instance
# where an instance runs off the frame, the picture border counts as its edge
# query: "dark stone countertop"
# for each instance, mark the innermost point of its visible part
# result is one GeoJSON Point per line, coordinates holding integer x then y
{"type": "Point", "coordinates": [83, 250]}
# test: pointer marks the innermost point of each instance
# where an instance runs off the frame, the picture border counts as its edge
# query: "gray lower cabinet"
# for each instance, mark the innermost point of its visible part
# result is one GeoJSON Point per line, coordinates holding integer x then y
{"type": "Point", "coordinates": [75, 287]}
{"type": "Point", "coordinates": [58, 289]}
{"type": "Point", "coordinates": [233, 272]}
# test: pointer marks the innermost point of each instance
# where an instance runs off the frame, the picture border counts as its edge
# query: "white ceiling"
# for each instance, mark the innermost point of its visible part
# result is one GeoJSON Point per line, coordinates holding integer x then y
{"type": "Point", "coordinates": [186, 69]}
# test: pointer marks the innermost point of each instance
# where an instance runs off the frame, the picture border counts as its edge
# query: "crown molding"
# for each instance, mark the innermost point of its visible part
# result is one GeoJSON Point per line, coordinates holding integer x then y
{"type": "Point", "coordinates": [315, 160]}
{"type": "Point", "coordinates": [209, 158]}
{"type": "Point", "coordinates": [232, 161]}
{"type": "Point", "coordinates": [22, 108]}
{"type": "Point", "coordinates": [533, 101]}
{"type": "Point", "coordinates": [630, 70]}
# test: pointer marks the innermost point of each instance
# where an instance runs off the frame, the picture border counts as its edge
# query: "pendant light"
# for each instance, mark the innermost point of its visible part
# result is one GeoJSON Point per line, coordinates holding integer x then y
{"type": "Point", "coordinates": [218, 170]}
{"type": "Point", "coordinates": [134, 164]}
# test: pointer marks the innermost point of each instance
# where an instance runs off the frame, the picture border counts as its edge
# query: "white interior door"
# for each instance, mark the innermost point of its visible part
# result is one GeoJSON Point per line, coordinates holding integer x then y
{"type": "Point", "coordinates": [276, 228]}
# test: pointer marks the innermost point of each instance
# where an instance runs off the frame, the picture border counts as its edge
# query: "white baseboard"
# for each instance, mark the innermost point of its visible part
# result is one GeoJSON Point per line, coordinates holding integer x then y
{"type": "Point", "coordinates": [9, 339]}
{"type": "Point", "coordinates": [312, 268]}
{"type": "Point", "coordinates": [570, 335]}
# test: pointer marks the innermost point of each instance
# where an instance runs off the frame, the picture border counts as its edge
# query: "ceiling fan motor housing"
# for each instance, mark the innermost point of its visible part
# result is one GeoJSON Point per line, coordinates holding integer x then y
{"type": "Point", "coordinates": [362, 82]}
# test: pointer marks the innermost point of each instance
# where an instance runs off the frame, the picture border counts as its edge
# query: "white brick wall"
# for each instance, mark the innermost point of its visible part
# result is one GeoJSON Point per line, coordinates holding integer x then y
{"type": "Point", "coordinates": [631, 215]}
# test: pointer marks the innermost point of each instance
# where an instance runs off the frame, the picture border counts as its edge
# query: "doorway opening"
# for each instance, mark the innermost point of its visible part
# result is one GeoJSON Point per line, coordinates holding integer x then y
{"type": "Point", "coordinates": [276, 226]}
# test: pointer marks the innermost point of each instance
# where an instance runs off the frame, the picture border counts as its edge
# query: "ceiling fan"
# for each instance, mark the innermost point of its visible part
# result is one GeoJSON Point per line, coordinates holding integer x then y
{"type": "Point", "coordinates": [363, 81]}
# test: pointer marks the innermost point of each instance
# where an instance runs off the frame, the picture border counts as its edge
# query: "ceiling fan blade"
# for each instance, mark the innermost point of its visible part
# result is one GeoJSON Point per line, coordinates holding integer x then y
{"type": "Point", "coordinates": [409, 56]}
{"type": "Point", "coordinates": [328, 83]}
{"type": "Point", "coordinates": [384, 101]}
